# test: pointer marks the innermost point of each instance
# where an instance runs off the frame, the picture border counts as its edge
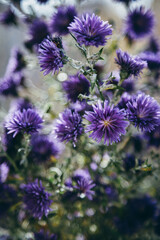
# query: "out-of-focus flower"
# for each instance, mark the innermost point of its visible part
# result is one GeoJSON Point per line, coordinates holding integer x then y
{"type": "Point", "coordinates": [90, 30]}
{"type": "Point", "coordinates": [154, 45]}
{"type": "Point", "coordinates": [129, 65]}
{"type": "Point", "coordinates": [44, 236]}
{"type": "Point", "coordinates": [10, 83]}
{"type": "Point", "coordinates": [127, 2]}
{"type": "Point", "coordinates": [139, 23]}
{"type": "Point", "coordinates": [37, 199]}
{"type": "Point", "coordinates": [38, 31]}
{"type": "Point", "coordinates": [62, 19]}
{"type": "Point", "coordinates": [153, 138]}
{"type": "Point", "coordinates": [128, 84]}
{"type": "Point", "coordinates": [152, 59]}
{"type": "Point", "coordinates": [144, 112]}
{"type": "Point", "coordinates": [16, 62]}
{"type": "Point", "coordinates": [42, 148]}
{"type": "Point", "coordinates": [107, 121]}
{"type": "Point", "coordinates": [26, 121]}
{"type": "Point", "coordinates": [51, 57]}
{"type": "Point", "coordinates": [129, 162]}
{"type": "Point", "coordinates": [77, 84]}
{"type": "Point", "coordinates": [69, 126]}
{"type": "Point", "coordinates": [81, 173]}
{"type": "Point", "coordinates": [4, 170]}
{"type": "Point", "coordinates": [8, 17]}
{"type": "Point", "coordinates": [111, 192]}
{"type": "Point", "coordinates": [20, 104]}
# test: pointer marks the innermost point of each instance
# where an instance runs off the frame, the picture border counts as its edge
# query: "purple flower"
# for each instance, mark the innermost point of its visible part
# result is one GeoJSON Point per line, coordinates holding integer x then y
{"type": "Point", "coordinates": [139, 23]}
{"type": "Point", "coordinates": [20, 104]}
{"type": "Point", "coordinates": [37, 199]}
{"type": "Point", "coordinates": [62, 19]}
{"type": "Point", "coordinates": [153, 138]}
{"type": "Point", "coordinates": [69, 126]}
{"type": "Point", "coordinates": [16, 62]}
{"type": "Point", "coordinates": [77, 84]}
{"type": "Point", "coordinates": [51, 57]}
{"type": "Point", "coordinates": [38, 31]}
{"type": "Point", "coordinates": [81, 173]}
{"type": "Point", "coordinates": [144, 112]}
{"type": "Point", "coordinates": [124, 100]}
{"type": "Point", "coordinates": [4, 170]}
{"type": "Point", "coordinates": [107, 121]}
{"type": "Point", "coordinates": [128, 84]}
{"type": "Point", "coordinates": [154, 45]}
{"type": "Point", "coordinates": [84, 186]}
{"type": "Point", "coordinates": [152, 59]}
{"type": "Point", "coordinates": [129, 162]}
{"type": "Point", "coordinates": [129, 65]}
{"type": "Point", "coordinates": [44, 236]}
{"type": "Point", "coordinates": [8, 17]}
{"type": "Point", "coordinates": [26, 121]}
{"type": "Point", "coordinates": [42, 148]}
{"type": "Point", "coordinates": [111, 192]}
{"type": "Point", "coordinates": [10, 83]}
{"type": "Point", "coordinates": [90, 30]}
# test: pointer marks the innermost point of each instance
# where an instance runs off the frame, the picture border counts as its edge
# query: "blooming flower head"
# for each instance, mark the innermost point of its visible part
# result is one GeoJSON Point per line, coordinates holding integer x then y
{"type": "Point", "coordinates": [51, 57]}
{"type": "Point", "coordinates": [90, 30]}
{"type": "Point", "coordinates": [77, 84]}
{"type": "Point", "coordinates": [26, 121]}
{"type": "Point", "coordinates": [139, 23]}
{"type": "Point", "coordinates": [44, 236]}
{"type": "Point", "coordinates": [144, 112]}
{"type": "Point", "coordinates": [152, 59]}
{"type": "Point", "coordinates": [8, 17]}
{"type": "Point", "coordinates": [62, 18]}
{"type": "Point", "coordinates": [128, 64]}
{"type": "Point", "coordinates": [69, 126]}
{"type": "Point", "coordinates": [107, 121]}
{"type": "Point", "coordinates": [42, 148]}
{"type": "Point", "coordinates": [37, 199]}
{"type": "Point", "coordinates": [84, 186]}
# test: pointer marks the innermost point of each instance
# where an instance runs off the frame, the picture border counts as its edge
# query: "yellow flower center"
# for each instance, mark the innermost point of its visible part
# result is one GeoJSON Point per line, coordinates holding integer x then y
{"type": "Point", "coordinates": [106, 123]}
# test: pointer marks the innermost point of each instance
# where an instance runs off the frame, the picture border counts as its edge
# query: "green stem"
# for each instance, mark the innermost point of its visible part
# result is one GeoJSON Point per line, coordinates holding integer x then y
{"type": "Point", "coordinates": [11, 161]}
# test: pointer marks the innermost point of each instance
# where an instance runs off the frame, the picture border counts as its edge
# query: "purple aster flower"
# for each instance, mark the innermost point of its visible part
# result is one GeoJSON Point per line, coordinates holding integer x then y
{"type": "Point", "coordinates": [69, 126]}
{"type": "Point", "coordinates": [152, 59]}
{"type": "Point", "coordinates": [26, 121]}
{"type": "Point", "coordinates": [90, 30]}
{"type": "Point", "coordinates": [37, 199]}
{"type": "Point", "coordinates": [62, 19]}
{"type": "Point", "coordinates": [139, 23]}
{"type": "Point", "coordinates": [51, 57]}
{"type": "Point", "coordinates": [84, 186]}
{"type": "Point", "coordinates": [153, 138]}
{"type": "Point", "coordinates": [44, 236]}
{"type": "Point", "coordinates": [129, 65]}
{"type": "Point", "coordinates": [81, 173]}
{"type": "Point", "coordinates": [4, 170]}
{"type": "Point", "coordinates": [144, 112]}
{"type": "Point", "coordinates": [42, 148]}
{"type": "Point", "coordinates": [107, 121]}
{"type": "Point", "coordinates": [77, 84]}
{"type": "Point", "coordinates": [38, 31]}
{"type": "Point", "coordinates": [129, 162]}
{"type": "Point", "coordinates": [10, 83]}
{"type": "Point", "coordinates": [8, 17]}
{"type": "Point", "coordinates": [16, 62]}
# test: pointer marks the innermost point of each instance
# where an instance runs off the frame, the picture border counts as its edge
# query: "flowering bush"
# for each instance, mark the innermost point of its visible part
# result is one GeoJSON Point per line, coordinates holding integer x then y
{"type": "Point", "coordinates": [80, 146]}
